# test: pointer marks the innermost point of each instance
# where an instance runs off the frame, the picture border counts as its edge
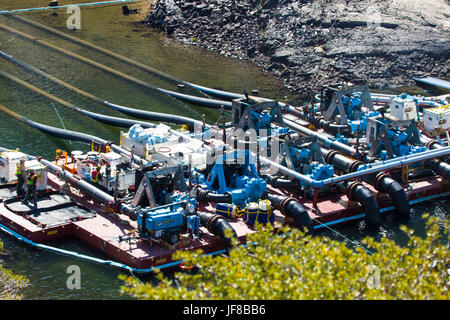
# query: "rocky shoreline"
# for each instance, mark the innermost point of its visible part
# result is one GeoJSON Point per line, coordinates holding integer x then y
{"type": "Point", "coordinates": [309, 43]}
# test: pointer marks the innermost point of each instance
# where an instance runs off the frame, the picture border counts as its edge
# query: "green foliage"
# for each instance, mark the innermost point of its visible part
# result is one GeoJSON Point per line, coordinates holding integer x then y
{"type": "Point", "coordinates": [297, 266]}
{"type": "Point", "coordinates": [10, 284]}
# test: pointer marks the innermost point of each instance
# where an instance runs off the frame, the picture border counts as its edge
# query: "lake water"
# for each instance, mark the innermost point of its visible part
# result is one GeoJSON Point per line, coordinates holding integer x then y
{"type": "Point", "coordinates": [106, 26]}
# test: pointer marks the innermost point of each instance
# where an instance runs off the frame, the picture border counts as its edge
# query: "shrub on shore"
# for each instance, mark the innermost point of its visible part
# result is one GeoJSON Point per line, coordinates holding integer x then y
{"type": "Point", "coordinates": [297, 266]}
{"type": "Point", "coordinates": [11, 285]}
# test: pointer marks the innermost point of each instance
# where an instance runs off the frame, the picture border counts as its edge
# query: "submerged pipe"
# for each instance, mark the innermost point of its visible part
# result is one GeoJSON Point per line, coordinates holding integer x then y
{"type": "Point", "coordinates": [85, 60]}
{"type": "Point", "coordinates": [71, 135]}
{"type": "Point", "coordinates": [290, 207]}
{"type": "Point", "coordinates": [210, 103]}
{"type": "Point", "coordinates": [96, 48]}
{"type": "Point", "coordinates": [218, 93]}
{"type": "Point", "coordinates": [142, 114]}
{"type": "Point", "coordinates": [217, 225]}
{"type": "Point", "coordinates": [115, 121]}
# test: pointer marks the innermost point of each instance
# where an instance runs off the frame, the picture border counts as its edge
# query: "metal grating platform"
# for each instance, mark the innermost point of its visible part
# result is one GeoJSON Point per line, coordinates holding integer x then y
{"type": "Point", "coordinates": [54, 209]}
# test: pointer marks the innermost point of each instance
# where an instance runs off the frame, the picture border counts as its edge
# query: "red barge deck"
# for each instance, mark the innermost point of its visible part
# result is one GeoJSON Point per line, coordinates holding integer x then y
{"type": "Point", "coordinates": [103, 229]}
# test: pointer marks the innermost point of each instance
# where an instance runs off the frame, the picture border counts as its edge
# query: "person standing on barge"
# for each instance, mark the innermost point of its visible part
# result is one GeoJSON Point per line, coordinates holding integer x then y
{"type": "Point", "coordinates": [31, 187]}
{"type": "Point", "coordinates": [20, 170]}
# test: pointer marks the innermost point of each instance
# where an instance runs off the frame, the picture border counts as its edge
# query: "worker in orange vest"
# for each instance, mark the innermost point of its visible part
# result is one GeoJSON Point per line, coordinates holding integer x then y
{"type": "Point", "coordinates": [20, 170]}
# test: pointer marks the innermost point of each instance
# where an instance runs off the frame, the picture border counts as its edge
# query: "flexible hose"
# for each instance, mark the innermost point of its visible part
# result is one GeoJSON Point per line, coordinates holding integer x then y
{"type": "Point", "coordinates": [70, 135]}
{"type": "Point", "coordinates": [217, 225]}
{"type": "Point", "coordinates": [440, 167]}
{"type": "Point", "coordinates": [397, 194]}
{"type": "Point", "coordinates": [382, 183]}
{"type": "Point", "coordinates": [207, 195]}
{"type": "Point", "coordinates": [290, 207]}
{"type": "Point", "coordinates": [357, 192]}
{"type": "Point", "coordinates": [277, 182]}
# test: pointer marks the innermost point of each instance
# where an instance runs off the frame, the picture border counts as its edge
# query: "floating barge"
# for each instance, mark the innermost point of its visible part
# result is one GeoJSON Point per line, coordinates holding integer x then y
{"type": "Point", "coordinates": [348, 155]}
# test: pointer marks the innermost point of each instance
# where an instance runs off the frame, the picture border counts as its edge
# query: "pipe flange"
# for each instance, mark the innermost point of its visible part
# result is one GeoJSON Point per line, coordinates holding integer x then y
{"type": "Point", "coordinates": [350, 188]}
{"type": "Point", "coordinates": [117, 205]}
{"type": "Point", "coordinates": [354, 165]}
{"type": "Point", "coordinates": [203, 194]}
{"type": "Point", "coordinates": [330, 155]}
{"type": "Point", "coordinates": [378, 178]}
{"type": "Point", "coordinates": [211, 220]}
{"type": "Point", "coordinates": [284, 204]}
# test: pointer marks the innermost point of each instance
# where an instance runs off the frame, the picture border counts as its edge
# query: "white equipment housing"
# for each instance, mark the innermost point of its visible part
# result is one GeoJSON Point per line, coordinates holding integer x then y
{"type": "Point", "coordinates": [403, 108]}
{"type": "Point", "coordinates": [437, 118]}
{"type": "Point", "coordinates": [141, 140]}
{"type": "Point", "coordinates": [126, 177]}
{"type": "Point", "coordinates": [41, 172]}
{"type": "Point", "coordinates": [185, 152]}
{"type": "Point", "coordinates": [8, 164]}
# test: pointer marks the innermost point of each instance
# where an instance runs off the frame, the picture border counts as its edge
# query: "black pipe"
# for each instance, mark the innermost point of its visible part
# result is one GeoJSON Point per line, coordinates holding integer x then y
{"type": "Point", "coordinates": [358, 192]}
{"type": "Point", "coordinates": [157, 116]}
{"type": "Point", "coordinates": [143, 114]}
{"type": "Point", "coordinates": [88, 188]}
{"type": "Point", "coordinates": [397, 194]}
{"type": "Point", "coordinates": [204, 102]}
{"type": "Point", "coordinates": [217, 225]}
{"type": "Point", "coordinates": [70, 135]}
{"type": "Point", "coordinates": [115, 121]}
{"type": "Point", "coordinates": [218, 104]}
{"type": "Point", "coordinates": [277, 182]}
{"type": "Point", "coordinates": [83, 137]}
{"type": "Point", "coordinates": [382, 182]}
{"type": "Point", "coordinates": [326, 125]}
{"type": "Point", "coordinates": [207, 195]}
{"type": "Point", "coordinates": [440, 167]}
{"type": "Point", "coordinates": [290, 207]}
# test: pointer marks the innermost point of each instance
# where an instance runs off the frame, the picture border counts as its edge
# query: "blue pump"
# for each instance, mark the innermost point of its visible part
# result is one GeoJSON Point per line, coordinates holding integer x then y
{"type": "Point", "coordinates": [244, 184]}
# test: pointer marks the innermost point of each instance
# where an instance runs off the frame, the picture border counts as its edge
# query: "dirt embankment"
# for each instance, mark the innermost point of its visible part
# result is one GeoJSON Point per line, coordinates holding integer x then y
{"type": "Point", "coordinates": [309, 43]}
